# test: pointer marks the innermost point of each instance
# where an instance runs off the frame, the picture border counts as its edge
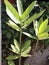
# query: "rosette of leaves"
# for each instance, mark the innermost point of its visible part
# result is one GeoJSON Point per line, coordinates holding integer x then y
{"type": "Point", "coordinates": [41, 29]}
{"type": "Point", "coordinates": [25, 49]}
{"type": "Point", "coordinates": [20, 18]}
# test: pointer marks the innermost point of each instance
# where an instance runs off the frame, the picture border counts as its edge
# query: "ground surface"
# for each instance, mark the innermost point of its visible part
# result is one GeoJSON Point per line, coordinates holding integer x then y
{"type": "Point", "coordinates": [39, 58]}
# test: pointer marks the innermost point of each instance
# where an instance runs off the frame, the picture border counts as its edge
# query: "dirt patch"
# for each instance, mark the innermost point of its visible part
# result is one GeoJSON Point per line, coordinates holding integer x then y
{"type": "Point", "coordinates": [39, 58]}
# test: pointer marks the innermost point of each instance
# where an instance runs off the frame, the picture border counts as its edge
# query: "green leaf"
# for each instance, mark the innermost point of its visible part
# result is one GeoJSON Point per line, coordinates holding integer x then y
{"type": "Point", "coordinates": [12, 12]}
{"type": "Point", "coordinates": [27, 34]}
{"type": "Point", "coordinates": [47, 28]}
{"type": "Point", "coordinates": [12, 57]}
{"type": "Point", "coordinates": [43, 26]}
{"type": "Point", "coordinates": [32, 18]}
{"type": "Point", "coordinates": [36, 25]}
{"type": "Point", "coordinates": [25, 55]}
{"type": "Point", "coordinates": [10, 62]}
{"type": "Point", "coordinates": [27, 50]}
{"type": "Point", "coordinates": [25, 45]}
{"type": "Point", "coordinates": [19, 7]}
{"type": "Point", "coordinates": [40, 13]}
{"type": "Point", "coordinates": [16, 44]}
{"type": "Point", "coordinates": [29, 21]}
{"type": "Point", "coordinates": [40, 21]}
{"type": "Point", "coordinates": [14, 49]}
{"type": "Point", "coordinates": [28, 10]}
{"type": "Point", "coordinates": [43, 36]}
{"type": "Point", "coordinates": [12, 25]}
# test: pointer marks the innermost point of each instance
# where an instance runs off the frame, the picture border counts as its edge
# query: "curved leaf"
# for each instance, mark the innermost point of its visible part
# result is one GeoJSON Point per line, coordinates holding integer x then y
{"type": "Point", "coordinates": [29, 21]}
{"type": "Point", "coordinates": [40, 21]}
{"type": "Point", "coordinates": [36, 25]}
{"type": "Point", "coordinates": [12, 57]}
{"type": "Point", "coordinates": [16, 44]}
{"type": "Point", "coordinates": [19, 7]}
{"type": "Point", "coordinates": [28, 10]}
{"type": "Point", "coordinates": [12, 13]}
{"type": "Point", "coordinates": [27, 34]}
{"type": "Point", "coordinates": [43, 26]}
{"type": "Point", "coordinates": [47, 28]}
{"type": "Point", "coordinates": [13, 25]}
{"type": "Point", "coordinates": [25, 55]}
{"type": "Point", "coordinates": [25, 45]}
{"type": "Point", "coordinates": [14, 49]}
{"type": "Point", "coordinates": [43, 36]}
{"type": "Point", "coordinates": [27, 50]}
{"type": "Point", "coordinates": [32, 18]}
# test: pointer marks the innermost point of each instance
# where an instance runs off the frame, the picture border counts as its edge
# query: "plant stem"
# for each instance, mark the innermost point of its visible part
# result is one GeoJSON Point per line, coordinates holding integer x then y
{"type": "Point", "coordinates": [37, 44]}
{"type": "Point", "coordinates": [20, 46]}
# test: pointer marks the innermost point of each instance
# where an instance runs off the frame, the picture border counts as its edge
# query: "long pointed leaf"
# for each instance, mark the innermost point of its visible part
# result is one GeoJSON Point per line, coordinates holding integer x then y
{"type": "Point", "coordinates": [29, 21]}
{"type": "Point", "coordinates": [28, 10]}
{"type": "Point", "coordinates": [13, 25]}
{"type": "Point", "coordinates": [36, 24]}
{"type": "Point", "coordinates": [16, 44]}
{"type": "Point", "coordinates": [12, 57]}
{"type": "Point", "coordinates": [14, 49]}
{"type": "Point", "coordinates": [19, 7]}
{"type": "Point", "coordinates": [43, 26]}
{"type": "Point", "coordinates": [32, 18]}
{"type": "Point", "coordinates": [25, 45]}
{"type": "Point", "coordinates": [40, 21]}
{"type": "Point", "coordinates": [43, 36]}
{"type": "Point", "coordinates": [27, 34]}
{"type": "Point", "coordinates": [47, 30]}
{"type": "Point", "coordinates": [25, 55]}
{"type": "Point", "coordinates": [11, 11]}
{"type": "Point", "coordinates": [27, 50]}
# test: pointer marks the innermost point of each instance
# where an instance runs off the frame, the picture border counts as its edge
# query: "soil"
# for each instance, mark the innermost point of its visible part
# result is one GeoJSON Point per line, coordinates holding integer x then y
{"type": "Point", "coordinates": [39, 58]}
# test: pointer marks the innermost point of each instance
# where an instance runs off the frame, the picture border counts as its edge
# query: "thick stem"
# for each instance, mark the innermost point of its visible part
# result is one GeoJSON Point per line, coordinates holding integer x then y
{"type": "Point", "coordinates": [20, 46]}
